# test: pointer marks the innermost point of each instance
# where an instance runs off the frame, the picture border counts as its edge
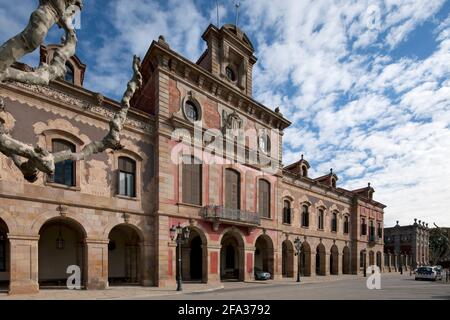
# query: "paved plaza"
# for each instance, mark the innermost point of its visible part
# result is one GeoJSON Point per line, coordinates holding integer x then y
{"type": "Point", "coordinates": [393, 286]}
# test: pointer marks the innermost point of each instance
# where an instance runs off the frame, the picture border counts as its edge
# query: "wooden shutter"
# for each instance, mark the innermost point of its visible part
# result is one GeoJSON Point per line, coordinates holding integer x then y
{"type": "Point", "coordinates": [196, 185]}
{"type": "Point", "coordinates": [264, 199]}
{"type": "Point", "coordinates": [187, 179]}
{"type": "Point", "coordinates": [232, 189]}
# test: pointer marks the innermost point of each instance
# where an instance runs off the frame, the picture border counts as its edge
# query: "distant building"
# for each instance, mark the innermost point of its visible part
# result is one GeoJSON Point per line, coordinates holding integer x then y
{"type": "Point", "coordinates": [407, 244]}
{"type": "Point", "coordinates": [445, 259]}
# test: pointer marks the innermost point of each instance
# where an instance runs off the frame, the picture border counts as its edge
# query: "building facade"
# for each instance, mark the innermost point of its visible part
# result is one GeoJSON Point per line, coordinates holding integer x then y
{"type": "Point", "coordinates": [407, 246]}
{"type": "Point", "coordinates": [199, 152]}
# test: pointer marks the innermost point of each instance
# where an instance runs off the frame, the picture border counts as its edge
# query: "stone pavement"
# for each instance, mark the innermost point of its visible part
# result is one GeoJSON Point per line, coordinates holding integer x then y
{"type": "Point", "coordinates": [113, 293]}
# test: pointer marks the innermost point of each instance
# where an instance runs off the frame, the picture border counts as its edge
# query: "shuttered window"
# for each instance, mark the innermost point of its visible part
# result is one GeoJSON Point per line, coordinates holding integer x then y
{"type": "Point", "coordinates": [127, 177]}
{"type": "Point", "coordinates": [264, 199]}
{"type": "Point", "coordinates": [305, 216]}
{"type": "Point", "coordinates": [192, 182]}
{"type": "Point", "coordinates": [232, 189]}
{"type": "Point", "coordinates": [287, 212]}
{"type": "Point", "coordinates": [64, 171]}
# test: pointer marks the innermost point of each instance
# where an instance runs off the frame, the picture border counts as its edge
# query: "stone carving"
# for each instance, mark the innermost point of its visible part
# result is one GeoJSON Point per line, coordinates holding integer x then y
{"type": "Point", "coordinates": [232, 123]}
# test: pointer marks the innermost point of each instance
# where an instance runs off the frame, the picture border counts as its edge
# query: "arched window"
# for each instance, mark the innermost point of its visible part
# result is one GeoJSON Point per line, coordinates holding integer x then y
{"type": "Point", "coordinates": [334, 222]}
{"type": "Point", "coordinates": [230, 74]}
{"type": "Point", "coordinates": [304, 171]}
{"type": "Point", "coordinates": [333, 183]}
{"type": "Point", "coordinates": [192, 181]}
{"type": "Point", "coordinates": [127, 177]}
{"type": "Point", "coordinates": [64, 171]}
{"type": "Point", "coordinates": [287, 212]}
{"type": "Point", "coordinates": [264, 198]}
{"type": "Point", "coordinates": [321, 219]}
{"type": "Point", "coordinates": [305, 216]}
{"type": "Point", "coordinates": [192, 111]}
{"type": "Point", "coordinates": [346, 225]}
{"type": "Point", "coordinates": [372, 231]}
{"type": "Point", "coordinates": [232, 189]}
{"type": "Point", "coordinates": [380, 231]}
{"type": "Point", "coordinates": [70, 74]}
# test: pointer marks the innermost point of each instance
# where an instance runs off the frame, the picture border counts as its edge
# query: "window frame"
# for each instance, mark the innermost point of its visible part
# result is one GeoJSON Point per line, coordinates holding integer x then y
{"type": "Point", "coordinates": [184, 199]}
{"type": "Point", "coordinates": [305, 219]}
{"type": "Point", "coordinates": [134, 174]}
{"type": "Point", "coordinates": [334, 221]}
{"type": "Point", "coordinates": [239, 191]}
{"type": "Point", "coordinates": [321, 219]}
{"type": "Point", "coordinates": [269, 202]}
{"type": "Point", "coordinates": [346, 224]}
{"type": "Point", "coordinates": [363, 226]}
{"type": "Point", "coordinates": [287, 212]}
{"type": "Point", "coordinates": [51, 178]}
{"type": "Point", "coordinates": [189, 99]}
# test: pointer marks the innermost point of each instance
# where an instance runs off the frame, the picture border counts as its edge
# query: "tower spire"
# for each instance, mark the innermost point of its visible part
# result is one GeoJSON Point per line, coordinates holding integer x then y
{"type": "Point", "coordinates": [237, 5]}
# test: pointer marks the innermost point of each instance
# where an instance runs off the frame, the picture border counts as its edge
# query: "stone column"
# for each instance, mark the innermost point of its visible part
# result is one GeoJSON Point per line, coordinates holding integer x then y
{"type": "Point", "coordinates": [327, 263]}
{"type": "Point", "coordinates": [313, 264]}
{"type": "Point", "coordinates": [249, 259]}
{"type": "Point", "coordinates": [96, 264]}
{"type": "Point", "coordinates": [213, 265]}
{"type": "Point", "coordinates": [24, 271]}
{"type": "Point", "coordinates": [340, 264]}
{"type": "Point", "coordinates": [277, 265]}
{"type": "Point", "coordinates": [147, 257]}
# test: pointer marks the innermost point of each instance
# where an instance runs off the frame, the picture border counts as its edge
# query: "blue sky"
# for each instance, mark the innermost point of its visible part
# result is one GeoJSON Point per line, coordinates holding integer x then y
{"type": "Point", "coordinates": [366, 83]}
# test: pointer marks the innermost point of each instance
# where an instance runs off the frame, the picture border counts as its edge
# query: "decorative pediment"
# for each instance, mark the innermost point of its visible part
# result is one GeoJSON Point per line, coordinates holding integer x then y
{"type": "Point", "coordinates": [231, 123]}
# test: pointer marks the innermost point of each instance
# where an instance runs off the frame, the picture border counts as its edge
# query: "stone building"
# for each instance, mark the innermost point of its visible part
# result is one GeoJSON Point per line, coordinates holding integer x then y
{"type": "Point", "coordinates": [200, 152]}
{"type": "Point", "coordinates": [407, 246]}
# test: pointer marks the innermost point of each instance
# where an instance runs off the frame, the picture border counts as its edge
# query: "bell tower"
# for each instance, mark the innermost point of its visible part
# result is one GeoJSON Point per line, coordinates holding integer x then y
{"type": "Point", "coordinates": [229, 56]}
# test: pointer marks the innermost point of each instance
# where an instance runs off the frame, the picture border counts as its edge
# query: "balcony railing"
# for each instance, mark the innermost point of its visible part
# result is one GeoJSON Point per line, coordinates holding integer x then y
{"type": "Point", "coordinates": [220, 213]}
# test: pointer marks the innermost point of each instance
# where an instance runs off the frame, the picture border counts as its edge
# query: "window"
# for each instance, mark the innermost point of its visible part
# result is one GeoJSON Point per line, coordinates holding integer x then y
{"type": "Point", "coordinates": [70, 75]}
{"type": "Point", "coordinates": [192, 111]}
{"type": "Point", "coordinates": [305, 216]}
{"type": "Point", "coordinates": [127, 177]}
{"type": "Point", "coordinates": [287, 212]}
{"type": "Point", "coordinates": [264, 198]}
{"type": "Point", "coordinates": [232, 189]}
{"type": "Point", "coordinates": [334, 222]}
{"type": "Point", "coordinates": [192, 182]}
{"type": "Point", "coordinates": [2, 252]}
{"type": "Point", "coordinates": [230, 74]}
{"type": "Point", "coordinates": [380, 231]}
{"type": "Point", "coordinates": [264, 143]}
{"type": "Point", "coordinates": [333, 183]}
{"type": "Point", "coordinates": [304, 171]}
{"type": "Point", "coordinates": [346, 225]}
{"type": "Point", "coordinates": [321, 219]}
{"type": "Point", "coordinates": [363, 227]}
{"type": "Point", "coordinates": [372, 231]}
{"type": "Point", "coordinates": [64, 171]}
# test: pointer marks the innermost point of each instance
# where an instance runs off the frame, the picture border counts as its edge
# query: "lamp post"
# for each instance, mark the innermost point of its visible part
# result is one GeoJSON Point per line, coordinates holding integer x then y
{"type": "Point", "coordinates": [298, 248]}
{"type": "Point", "coordinates": [180, 235]}
{"type": "Point", "coordinates": [400, 263]}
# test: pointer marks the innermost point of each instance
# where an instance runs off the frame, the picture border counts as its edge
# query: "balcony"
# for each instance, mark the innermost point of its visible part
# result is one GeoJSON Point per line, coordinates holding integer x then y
{"type": "Point", "coordinates": [220, 214]}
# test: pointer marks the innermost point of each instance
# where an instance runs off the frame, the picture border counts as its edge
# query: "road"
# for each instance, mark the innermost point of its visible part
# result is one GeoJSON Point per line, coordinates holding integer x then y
{"type": "Point", "coordinates": [393, 287]}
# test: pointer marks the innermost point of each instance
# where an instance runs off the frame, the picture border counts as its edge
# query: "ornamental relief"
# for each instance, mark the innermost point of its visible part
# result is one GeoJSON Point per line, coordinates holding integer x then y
{"type": "Point", "coordinates": [97, 178]}
{"type": "Point", "coordinates": [85, 105]}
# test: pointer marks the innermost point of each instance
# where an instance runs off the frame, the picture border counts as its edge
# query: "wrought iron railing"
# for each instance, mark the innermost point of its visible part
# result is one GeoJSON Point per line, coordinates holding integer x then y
{"type": "Point", "coordinates": [222, 213]}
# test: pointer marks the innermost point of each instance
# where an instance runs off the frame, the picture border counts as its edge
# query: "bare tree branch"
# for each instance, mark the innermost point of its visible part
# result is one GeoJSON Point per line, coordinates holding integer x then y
{"type": "Point", "coordinates": [29, 159]}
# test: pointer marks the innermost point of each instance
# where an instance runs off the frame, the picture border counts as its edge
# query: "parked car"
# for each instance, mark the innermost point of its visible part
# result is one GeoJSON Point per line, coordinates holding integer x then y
{"type": "Point", "coordinates": [429, 273]}
{"type": "Point", "coordinates": [262, 275]}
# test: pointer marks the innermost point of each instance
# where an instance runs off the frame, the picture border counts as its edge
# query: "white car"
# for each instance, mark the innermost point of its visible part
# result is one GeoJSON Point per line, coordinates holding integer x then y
{"type": "Point", "coordinates": [428, 273]}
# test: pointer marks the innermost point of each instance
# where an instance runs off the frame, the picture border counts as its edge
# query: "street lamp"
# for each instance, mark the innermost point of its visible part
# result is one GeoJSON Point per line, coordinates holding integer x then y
{"type": "Point", "coordinates": [400, 263]}
{"type": "Point", "coordinates": [180, 235]}
{"type": "Point", "coordinates": [298, 248]}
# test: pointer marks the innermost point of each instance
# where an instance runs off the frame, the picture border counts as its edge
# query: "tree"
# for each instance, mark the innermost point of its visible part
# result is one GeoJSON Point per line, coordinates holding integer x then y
{"type": "Point", "coordinates": [31, 160]}
{"type": "Point", "coordinates": [439, 244]}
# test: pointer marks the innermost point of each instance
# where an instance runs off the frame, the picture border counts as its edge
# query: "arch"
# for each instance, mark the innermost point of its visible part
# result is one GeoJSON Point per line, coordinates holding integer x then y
{"type": "Point", "coordinates": [371, 258]}
{"type": "Point", "coordinates": [305, 259]}
{"type": "Point", "coordinates": [346, 260]}
{"type": "Point", "coordinates": [124, 255]}
{"type": "Point", "coordinates": [112, 225]}
{"type": "Point", "coordinates": [320, 260]}
{"type": "Point", "coordinates": [379, 261]}
{"type": "Point", "coordinates": [287, 259]}
{"type": "Point", "coordinates": [264, 254]}
{"type": "Point", "coordinates": [4, 256]}
{"type": "Point", "coordinates": [8, 220]}
{"type": "Point", "coordinates": [195, 256]}
{"type": "Point", "coordinates": [334, 260]}
{"type": "Point", "coordinates": [62, 243]}
{"type": "Point", "coordinates": [232, 255]}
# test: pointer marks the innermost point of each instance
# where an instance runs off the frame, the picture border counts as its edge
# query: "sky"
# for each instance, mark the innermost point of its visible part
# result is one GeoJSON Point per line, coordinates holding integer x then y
{"type": "Point", "coordinates": [366, 84]}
